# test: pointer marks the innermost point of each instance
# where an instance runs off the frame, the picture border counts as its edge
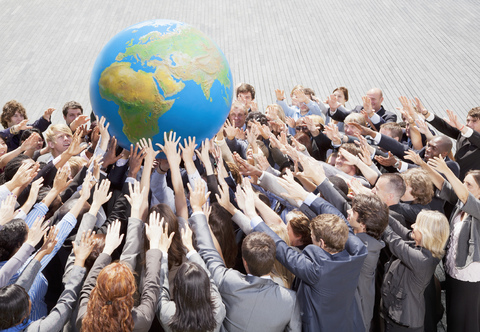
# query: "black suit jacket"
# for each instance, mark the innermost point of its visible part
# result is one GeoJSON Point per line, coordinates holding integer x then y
{"type": "Point", "coordinates": [385, 116]}
{"type": "Point", "coordinates": [468, 149]}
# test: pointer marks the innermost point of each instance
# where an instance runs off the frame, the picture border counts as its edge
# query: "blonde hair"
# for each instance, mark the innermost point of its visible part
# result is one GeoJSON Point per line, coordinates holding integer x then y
{"type": "Point", "coordinates": [356, 118]}
{"type": "Point", "coordinates": [240, 105]}
{"type": "Point", "coordinates": [76, 163]}
{"type": "Point", "coordinates": [317, 119]}
{"type": "Point", "coordinates": [421, 185]}
{"type": "Point", "coordinates": [279, 270]}
{"type": "Point", "coordinates": [435, 231]}
{"type": "Point", "coordinates": [54, 129]}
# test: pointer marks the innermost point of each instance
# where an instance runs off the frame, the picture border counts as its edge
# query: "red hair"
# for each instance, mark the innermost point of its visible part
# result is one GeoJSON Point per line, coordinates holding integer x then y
{"type": "Point", "coordinates": [111, 301]}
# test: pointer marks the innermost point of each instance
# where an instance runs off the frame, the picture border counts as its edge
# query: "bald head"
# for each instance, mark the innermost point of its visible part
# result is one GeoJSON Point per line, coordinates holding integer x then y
{"type": "Point", "coordinates": [439, 146]}
{"type": "Point", "coordinates": [376, 97]}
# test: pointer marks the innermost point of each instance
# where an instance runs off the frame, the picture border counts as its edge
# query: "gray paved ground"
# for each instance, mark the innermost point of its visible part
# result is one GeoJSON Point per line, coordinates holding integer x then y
{"type": "Point", "coordinates": [424, 48]}
{"type": "Point", "coordinates": [419, 48]}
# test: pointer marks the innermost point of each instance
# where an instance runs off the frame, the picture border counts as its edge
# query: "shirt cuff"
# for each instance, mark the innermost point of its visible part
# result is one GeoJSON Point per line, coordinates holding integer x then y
{"type": "Point", "coordinates": [256, 221]}
{"type": "Point", "coordinates": [20, 214]}
{"type": "Point", "coordinates": [121, 162]}
{"type": "Point", "coordinates": [130, 180]}
{"type": "Point", "coordinates": [375, 118]}
{"type": "Point", "coordinates": [310, 198]}
{"type": "Point", "coordinates": [377, 138]}
{"type": "Point", "coordinates": [195, 213]}
{"type": "Point", "coordinates": [190, 253]}
{"type": "Point", "coordinates": [261, 176]}
{"type": "Point", "coordinates": [468, 133]}
{"type": "Point", "coordinates": [430, 117]}
{"type": "Point", "coordinates": [56, 160]}
{"type": "Point", "coordinates": [404, 167]}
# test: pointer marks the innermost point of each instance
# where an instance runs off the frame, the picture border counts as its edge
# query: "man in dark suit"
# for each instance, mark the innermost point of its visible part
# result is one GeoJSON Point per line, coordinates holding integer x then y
{"type": "Point", "coordinates": [328, 270]}
{"type": "Point", "coordinates": [468, 137]}
{"type": "Point", "coordinates": [372, 104]}
{"type": "Point", "coordinates": [254, 302]}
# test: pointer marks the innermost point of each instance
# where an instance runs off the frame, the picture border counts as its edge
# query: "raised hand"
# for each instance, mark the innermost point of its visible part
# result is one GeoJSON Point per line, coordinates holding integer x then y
{"type": "Point", "coordinates": [110, 157]}
{"type": "Point", "coordinates": [223, 198]}
{"type": "Point", "coordinates": [357, 188]}
{"type": "Point", "coordinates": [438, 164]}
{"type": "Point", "coordinates": [290, 122]}
{"type": "Point", "coordinates": [453, 121]}
{"type": "Point", "coordinates": [294, 190]}
{"type": "Point", "coordinates": [187, 238]}
{"type": "Point", "coordinates": [262, 162]}
{"type": "Point", "coordinates": [135, 162]}
{"type": "Point", "coordinates": [367, 106]}
{"type": "Point", "coordinates": [113, 237]}
{"type": "Point", "coordinates": [197, 195]}
{"type": "Point", "coordinates": [101, 194]}
{"type": "Point", "coordinates": [154, 230]}
{"type": "Point", "coordinates": [302, 96]}
{"type": "Point", "coordinates": [245, 168]}
{"type": "Point", "coordinates": [230, 129]}
{"type": "Point", "coordinates": [150, 153]}
{"type": "Point", "coordinates": [350, 158]}
{"type": "Point", "coordinates": [75, 148]}
{"type": "Point", "coordinates": [333, 103]}
{"type": "Point", "coordinates": [311, 126]}
{"type": "Point", "coordinates": [37, 231]}
{"type": "Point", "coordinates": [415, 157]}
{"type": "Point", "coordinates": [84, 248]}
{"type": "Point", "coordinates": [312, 170]}
{"type": "Point", "coordinates": [61, 181]}
{"type": "Point", "coordinates": [49, 242]}
{"type": "Point", "coordinates": [331, 130]}
{"type": "Point", "coordinates": [420, 108]}
{"type": "Point", "coordinates": [246, 199]}
{"type": "Point", "coordinates": [279, 94]}
{"type": "Point", "coordinates": [389, 161]}
{"type": "Point", "coordinates": [48, 113]}
{"type": "Point", "coordinates": [21, 126]}
{"type": "Point", "coordinates": [7, 208]}
{"type": "Point", "coordinates": [170, 148]}
{"type": "Point", "coordinates": [137, 199]}
{"type": "Point", "coordinates": [188, 148]}
{"type": "Point", "coordinates": [31, 143]}
{"type": "Point", "coordinates": [78, 122]}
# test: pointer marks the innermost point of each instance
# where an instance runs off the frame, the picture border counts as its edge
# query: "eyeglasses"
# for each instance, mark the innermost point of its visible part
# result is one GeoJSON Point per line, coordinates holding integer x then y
{"type": "Point", "coordinates": [301, 128]}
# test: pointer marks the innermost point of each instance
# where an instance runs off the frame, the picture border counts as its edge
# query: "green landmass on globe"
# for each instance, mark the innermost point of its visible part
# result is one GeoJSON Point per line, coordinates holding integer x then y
{"type": "Point", "coordinates": [146, 78]}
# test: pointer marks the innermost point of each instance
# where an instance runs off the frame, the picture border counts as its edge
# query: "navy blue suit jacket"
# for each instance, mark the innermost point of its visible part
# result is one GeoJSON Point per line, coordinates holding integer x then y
{"type": "Point", "coordinates": [326, 290]}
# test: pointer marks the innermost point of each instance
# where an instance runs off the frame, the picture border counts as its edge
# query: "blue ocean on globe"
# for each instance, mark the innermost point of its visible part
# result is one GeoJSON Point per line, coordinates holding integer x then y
{"type": "Point", "coordinates": [160, 76]}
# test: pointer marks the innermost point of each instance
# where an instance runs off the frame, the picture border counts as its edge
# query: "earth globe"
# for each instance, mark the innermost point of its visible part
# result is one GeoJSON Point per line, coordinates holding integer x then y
{"type": "Point", "coordinates": [160, 76]}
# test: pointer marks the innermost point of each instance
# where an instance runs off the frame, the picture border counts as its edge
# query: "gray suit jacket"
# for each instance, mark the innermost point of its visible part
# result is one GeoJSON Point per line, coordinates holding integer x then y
{"type": "Point", "coordinates": [166, 306]}
{"type": "Point", "coordinates": [252, 303]}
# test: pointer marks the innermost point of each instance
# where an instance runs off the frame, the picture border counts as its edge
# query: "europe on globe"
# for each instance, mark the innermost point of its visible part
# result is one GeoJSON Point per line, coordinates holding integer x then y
{"type": "Point", "coordinates": [160, 76]}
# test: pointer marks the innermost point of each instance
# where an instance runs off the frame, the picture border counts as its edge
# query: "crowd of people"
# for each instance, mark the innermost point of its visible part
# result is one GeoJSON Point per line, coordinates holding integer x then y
{"type": "Point", "coordinates": [307, 216]}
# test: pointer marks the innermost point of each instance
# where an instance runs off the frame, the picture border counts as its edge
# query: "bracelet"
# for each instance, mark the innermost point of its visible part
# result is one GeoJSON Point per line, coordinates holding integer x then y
{"type": "Point", "coordinates": [160, 168]}
{"type": "Point", "coordinates": [13, 131]}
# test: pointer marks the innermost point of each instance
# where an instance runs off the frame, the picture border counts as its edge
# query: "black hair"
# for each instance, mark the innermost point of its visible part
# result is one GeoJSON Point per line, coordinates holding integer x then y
{"type": "Point", "coordinates": [193, 301]}
{"type": "Point", "coordinates": [14, 306]}
{"type": "Point", "coordinates": [12, 236]}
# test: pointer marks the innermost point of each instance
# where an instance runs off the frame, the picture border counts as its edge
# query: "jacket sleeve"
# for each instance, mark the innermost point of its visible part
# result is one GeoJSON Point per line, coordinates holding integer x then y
{"type": "Point", "coordinates": [165, 307]}
{"type": "Point", "coordinates": [206, 248]}
{"type": "Point", "coordinates": [102, 261]}
{"type": "Point", "coordinates": [333, 196]}
{"type": "Point", "coordinates": [144, 314]}
{"type": "Point", "coordinates": [59, 315]}
{"type": "Point", "coordinates": [134, 242]}
{"type": "Point", "coordinates": [14, 263]}
{"type": "Point", "coordinates": [340, 114]}
{"type": "Point", "coordinates": [409, 256]}
{"type": "Point", "coordinates": [445, 128]}
{"type": "Point", "coordinates": [88, 222]}
{"type": "Point", "coordinates": [28, 275]}
{"type": "Point", "coordinates": [300, 264]}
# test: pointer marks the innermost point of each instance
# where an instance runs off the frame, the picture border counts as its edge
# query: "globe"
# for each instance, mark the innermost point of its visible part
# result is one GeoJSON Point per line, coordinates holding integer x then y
{"type": "Point", "coordinates": [160, 76]}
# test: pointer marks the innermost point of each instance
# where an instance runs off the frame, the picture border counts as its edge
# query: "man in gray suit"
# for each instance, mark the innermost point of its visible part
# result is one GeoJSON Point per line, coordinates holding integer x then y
{"type": "Point", "coordinates": [253, 301]}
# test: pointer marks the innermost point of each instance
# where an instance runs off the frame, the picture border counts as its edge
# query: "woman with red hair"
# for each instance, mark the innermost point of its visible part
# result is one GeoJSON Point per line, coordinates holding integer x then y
{"type": "Point", "coordinates": [107, 297]}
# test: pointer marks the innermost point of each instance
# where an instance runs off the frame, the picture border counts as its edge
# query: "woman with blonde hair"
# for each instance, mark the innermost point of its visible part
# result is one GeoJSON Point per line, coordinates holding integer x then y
{"type": "Point", "coordinates": [408, 276]}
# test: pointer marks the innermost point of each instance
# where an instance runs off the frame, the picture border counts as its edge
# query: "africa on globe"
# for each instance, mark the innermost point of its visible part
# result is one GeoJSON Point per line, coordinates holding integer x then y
{"type": "Point", "coordinates": [160, 76]}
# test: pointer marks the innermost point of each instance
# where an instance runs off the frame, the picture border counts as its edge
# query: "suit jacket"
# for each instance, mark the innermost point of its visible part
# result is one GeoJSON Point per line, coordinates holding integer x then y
{"type": "Point", "coordinates": [166, 307]}
{"type": "Point", "coordinates": [327, 282]}
{"type": "Point", "coordinates": [252, 303]}
{"type": "Point", "coordinates": [407, 277]}
{"type": "Point", "coordinates": [385, 116]}
{"type": "Point", "coordinates": [365, 293]}
{"type": "Point", "coordinates": [468, 149]}
{"type": "Point", "coordinates": [398, 149]}
{"type": "Point", "coordinates": [142, 314]}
